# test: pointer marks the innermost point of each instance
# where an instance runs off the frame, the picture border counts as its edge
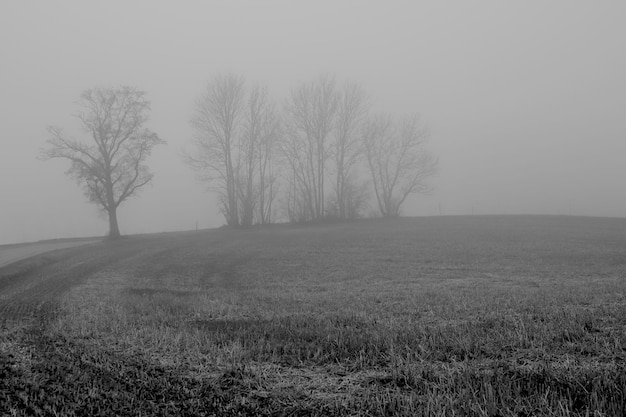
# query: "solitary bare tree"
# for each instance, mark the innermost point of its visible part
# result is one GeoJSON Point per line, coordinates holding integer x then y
{"type": "Point", "coordinates": [398, 163]}
{"type": "Point", "coordinates": [111, 167]}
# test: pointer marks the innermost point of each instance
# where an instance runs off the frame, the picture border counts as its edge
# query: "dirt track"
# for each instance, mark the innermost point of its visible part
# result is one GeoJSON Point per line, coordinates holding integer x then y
{"type": "Point", "coordinates": [14, 253]}
{"type": "Point", "coordinates": [33, 284]}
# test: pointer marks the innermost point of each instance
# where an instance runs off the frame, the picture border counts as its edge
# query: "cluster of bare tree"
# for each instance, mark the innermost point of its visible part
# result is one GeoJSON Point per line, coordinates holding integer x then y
{"type": "Point", "coordinates": [236, 133]}
{"type": "Point", "coordinates": [318, 152]}
{"type": "Point", "coordinates": [322, 154]}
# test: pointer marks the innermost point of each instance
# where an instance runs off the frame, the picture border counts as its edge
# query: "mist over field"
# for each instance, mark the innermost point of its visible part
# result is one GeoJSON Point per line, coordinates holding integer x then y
{"type": "Point", "coordinates": [449, 179]}
{"type": "Point", "coordinates": [525, 102]}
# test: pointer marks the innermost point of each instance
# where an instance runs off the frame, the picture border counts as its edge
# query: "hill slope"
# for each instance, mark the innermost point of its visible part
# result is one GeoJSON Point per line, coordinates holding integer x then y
{"type": "Point", "coordinates": [485, 315]}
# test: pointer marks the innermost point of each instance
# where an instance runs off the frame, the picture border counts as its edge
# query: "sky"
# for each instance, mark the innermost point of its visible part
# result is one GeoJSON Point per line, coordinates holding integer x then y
{"type": "Point", "coordinates": [525, 101]}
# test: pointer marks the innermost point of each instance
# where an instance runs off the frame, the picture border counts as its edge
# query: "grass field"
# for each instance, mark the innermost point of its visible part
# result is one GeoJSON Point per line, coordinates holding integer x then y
{"type": "Point", "coordinates": [480, 315]}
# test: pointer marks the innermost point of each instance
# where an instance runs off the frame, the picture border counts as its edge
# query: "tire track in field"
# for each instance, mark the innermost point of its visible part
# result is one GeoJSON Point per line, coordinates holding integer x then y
{"type": "Point", "coordinates": [43, 289]}
{"type": "Point", "coordinates": [14, 253]}
{"type": "Point", "coordinates": [35, 285]}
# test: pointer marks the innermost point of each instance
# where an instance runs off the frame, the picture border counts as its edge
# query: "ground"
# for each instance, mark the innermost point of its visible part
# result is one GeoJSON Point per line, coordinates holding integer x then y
{"type": "Point", "coordinates": [13, 253]}
{"type": "Point", "coordinates": [475, 315]}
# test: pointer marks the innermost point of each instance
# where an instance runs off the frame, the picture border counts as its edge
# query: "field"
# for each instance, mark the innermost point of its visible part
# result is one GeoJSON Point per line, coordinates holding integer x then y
{"type": "Point", "coordinates": [475, 315]}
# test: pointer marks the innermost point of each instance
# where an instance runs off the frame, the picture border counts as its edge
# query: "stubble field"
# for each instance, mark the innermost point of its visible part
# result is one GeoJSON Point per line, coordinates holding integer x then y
{"type": "Point", "coordinates": [476, 315]}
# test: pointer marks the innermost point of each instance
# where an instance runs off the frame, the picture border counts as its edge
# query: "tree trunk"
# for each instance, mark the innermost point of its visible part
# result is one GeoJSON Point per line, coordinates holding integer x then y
{"type": "Point", "coordinates": [114, 230]}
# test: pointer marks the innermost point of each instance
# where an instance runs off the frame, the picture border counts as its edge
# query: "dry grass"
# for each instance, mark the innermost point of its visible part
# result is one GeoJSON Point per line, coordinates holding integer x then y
{"type": "Point", "coordinates": [437, 316]}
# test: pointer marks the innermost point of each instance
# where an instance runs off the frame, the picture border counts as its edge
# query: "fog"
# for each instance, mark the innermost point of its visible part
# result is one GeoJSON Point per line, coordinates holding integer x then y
{"type": "Point", "coordinates": [525, 101]}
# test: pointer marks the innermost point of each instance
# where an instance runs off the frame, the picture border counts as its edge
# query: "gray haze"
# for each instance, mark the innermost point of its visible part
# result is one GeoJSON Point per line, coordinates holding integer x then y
{"type": "Point", "coordinates": [525, 100]}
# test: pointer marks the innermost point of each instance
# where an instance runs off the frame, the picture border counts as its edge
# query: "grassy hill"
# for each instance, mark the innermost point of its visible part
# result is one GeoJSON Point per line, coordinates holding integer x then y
{"type": "Point", "coordinates": [472, 315]}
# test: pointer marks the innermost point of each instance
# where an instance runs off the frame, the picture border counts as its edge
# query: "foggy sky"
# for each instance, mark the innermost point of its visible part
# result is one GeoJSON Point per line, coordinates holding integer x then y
{"type": "Point", "coordinates": [526, 101]}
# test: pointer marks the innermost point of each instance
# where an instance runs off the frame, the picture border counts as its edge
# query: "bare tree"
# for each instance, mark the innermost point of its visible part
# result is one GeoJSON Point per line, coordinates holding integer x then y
{"type": "Point", "coordinates": [249, 152]}
{"type": "Point", "coordinates": [235, 131]}
{"type": "Point", "coordinates": [296, 207]}
{"type": "Point", "coordinates": [310, 115]}
{"type": "Point", "coordinates": [217, 123]}
{"type": "Point", "coordinates": [110, 168]}
{"type": "Point", "coordinates": [269, 134]}
{"type": "Point", "coordinates": [347, 150]}
{"type": "Point", "coordinates": [299, 201]}
{"type": "Point", "coordinates": [398, 163]}
{"type": "Point", "coordinates": [256, 183]}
